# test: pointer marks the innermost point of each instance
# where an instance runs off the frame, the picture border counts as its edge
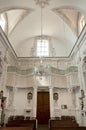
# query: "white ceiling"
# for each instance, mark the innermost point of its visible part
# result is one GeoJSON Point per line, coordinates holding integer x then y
{"type": "Point", "coordinates": [60, 24]}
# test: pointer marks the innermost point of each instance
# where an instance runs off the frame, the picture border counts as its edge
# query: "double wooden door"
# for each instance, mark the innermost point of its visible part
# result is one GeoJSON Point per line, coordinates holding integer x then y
{"type": "Point", "coordinates": [43, 107]}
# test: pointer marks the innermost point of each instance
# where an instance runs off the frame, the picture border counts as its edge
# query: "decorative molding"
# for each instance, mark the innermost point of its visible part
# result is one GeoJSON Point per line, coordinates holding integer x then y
{"type": "Point", "coordinates": [60, 88]}
{"type": "Point", "coordinates": [19, 71]}
{"type": "Point", "coordinates": [50, 70]}
{"type": "Point", "coordinates": [12, 88]}
{"type": "Point", "coordinates": [71, 69]}
{"type": "Point", "coordinates": [42, 3]}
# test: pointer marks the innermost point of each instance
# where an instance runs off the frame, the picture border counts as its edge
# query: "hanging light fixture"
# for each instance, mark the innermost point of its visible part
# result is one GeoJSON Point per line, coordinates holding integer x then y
{"type": "Point", "coordinates": [40, 70]}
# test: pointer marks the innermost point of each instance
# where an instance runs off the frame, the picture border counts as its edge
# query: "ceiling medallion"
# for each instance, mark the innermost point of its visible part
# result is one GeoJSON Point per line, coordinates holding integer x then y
{"type": "Point", "coordinates": [42, 3]}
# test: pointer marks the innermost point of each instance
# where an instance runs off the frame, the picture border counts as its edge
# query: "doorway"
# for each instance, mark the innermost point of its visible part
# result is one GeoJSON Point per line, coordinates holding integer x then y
{"type": "Point", "coordinates": [43, 107]}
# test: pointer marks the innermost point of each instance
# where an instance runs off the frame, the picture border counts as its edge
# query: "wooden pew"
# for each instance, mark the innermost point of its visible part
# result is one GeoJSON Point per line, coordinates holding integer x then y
{"type": "Point", "coordinates": [55, 124]}
{"type": "Point", "coordinates": [58, 123]}
{"type": "Point", "coordinates": [16, 128]}
{"type": "Point", "coordinates": [69, 128]}
{"type": "Point", "coordinates": [22, 123]}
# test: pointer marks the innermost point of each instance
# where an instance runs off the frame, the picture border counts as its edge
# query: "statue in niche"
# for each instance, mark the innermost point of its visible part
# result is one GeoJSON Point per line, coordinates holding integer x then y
{"type": "Point", "coordinates": [81, 99]}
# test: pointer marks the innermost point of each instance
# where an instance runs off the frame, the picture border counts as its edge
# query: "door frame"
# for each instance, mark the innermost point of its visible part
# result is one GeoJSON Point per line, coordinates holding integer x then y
{"type": "Point", "coordinates": [41, 91]}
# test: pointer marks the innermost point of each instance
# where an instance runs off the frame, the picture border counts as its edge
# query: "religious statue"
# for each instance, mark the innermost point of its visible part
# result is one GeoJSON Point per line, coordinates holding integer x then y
{"type": "Point", "coordinates": [81, 99]}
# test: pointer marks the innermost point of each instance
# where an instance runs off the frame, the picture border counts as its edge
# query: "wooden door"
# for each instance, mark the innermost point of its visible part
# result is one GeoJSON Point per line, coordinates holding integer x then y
{"type": "Point", "coordinates": [43, 107]}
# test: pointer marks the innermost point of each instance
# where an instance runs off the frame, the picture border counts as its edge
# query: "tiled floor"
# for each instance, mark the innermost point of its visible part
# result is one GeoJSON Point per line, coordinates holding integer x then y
{"type": "Point", "coordinates": [43, 127]}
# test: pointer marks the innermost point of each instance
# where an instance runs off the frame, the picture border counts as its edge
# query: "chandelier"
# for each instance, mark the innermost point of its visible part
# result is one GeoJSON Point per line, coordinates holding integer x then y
{"type": "Point", "coordinates": [41, 70]}
{"type": "Point", "coordinates": [42, 3]}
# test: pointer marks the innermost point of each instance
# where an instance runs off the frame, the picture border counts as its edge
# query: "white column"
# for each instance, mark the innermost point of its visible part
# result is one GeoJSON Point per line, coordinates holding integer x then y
{"type": "Point", "coordinates": [69, 87]}
{"type": "Point", "coordinates": [34, 102]}
{"type": "Point", "coordinates": [82, 86]}
{"type": "Point", "coordinates": [51, 103]}
{"type": "Point", "coordinates": [81, 76]}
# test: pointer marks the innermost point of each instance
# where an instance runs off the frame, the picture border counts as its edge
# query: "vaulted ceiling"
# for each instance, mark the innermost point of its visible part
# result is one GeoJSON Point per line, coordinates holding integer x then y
{"type": "Point", "coordinates": [60, 24]}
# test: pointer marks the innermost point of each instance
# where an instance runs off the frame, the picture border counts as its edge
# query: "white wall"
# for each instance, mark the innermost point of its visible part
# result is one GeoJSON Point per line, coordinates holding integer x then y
{"type": "Point", "coordinates": [21, 103]}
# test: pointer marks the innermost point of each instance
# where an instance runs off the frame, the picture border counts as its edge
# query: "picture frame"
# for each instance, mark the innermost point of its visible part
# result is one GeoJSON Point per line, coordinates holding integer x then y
{"type": "Point", "coordinates": [55, 96]}
{"type": "Point", "coordinates": [29, 95]}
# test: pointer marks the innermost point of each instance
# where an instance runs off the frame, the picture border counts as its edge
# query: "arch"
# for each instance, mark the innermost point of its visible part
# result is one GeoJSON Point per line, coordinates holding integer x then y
{"type": "Point", "coordinates": [28, 10]}
{"type": "Point", "coordinates": [66, 19]}
{"type": "Point", "coordinates": [14, 8]}
{"type": "Point", "coordinates": [72, 7]}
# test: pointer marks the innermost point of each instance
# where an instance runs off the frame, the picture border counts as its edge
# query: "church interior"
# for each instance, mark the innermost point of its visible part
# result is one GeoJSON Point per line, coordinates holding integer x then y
{"type": "Point", "coordinates": [43, 64]}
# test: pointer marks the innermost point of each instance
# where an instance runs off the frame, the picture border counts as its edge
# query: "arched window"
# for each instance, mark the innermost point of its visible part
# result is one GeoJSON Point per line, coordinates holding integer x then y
{"type": "Point", "coordinates": [2, 21]}
{"type": "Point", "coordinates": [42, 47]}
{"type": "Point", "coordinates": [81, 23]}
